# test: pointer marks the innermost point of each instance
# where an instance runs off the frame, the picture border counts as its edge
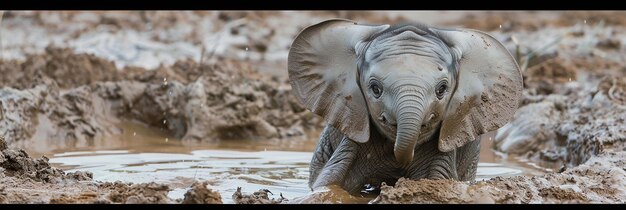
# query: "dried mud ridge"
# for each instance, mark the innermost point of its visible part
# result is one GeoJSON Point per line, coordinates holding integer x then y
{"type": "Point", "coordinates": [67, 100]}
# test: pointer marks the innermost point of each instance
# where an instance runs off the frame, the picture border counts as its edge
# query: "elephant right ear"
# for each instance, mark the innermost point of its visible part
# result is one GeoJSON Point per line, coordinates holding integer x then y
{"type": "Point", "coordinates": [322, 67]}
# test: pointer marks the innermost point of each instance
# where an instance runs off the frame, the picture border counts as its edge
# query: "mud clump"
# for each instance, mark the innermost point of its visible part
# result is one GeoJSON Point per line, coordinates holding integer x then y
{"type": "Point", "coordinates": [546, 77]}
{"type": "Point", "coordinates": [144, 193]}
{"type": "Point", "coordinates": [560, 194]}
{"type": "Point", "coordinates": [27, 180]}
{"type": "Point", "coordinates": [17, 163]}
{"type": "Point", "coordinates": [87, 197]}
{"type": "Point", "coordinates": [423, 191]}
{"type": "Point", "coordinates": [599, 180]}
{"type": "Point", "coordinates": [201, 194]}
{"type": "Point", "coordinates": [258, 197]}
{"type": "Point", "coordinates": [53, 118]}
{"type": "Point", "coordinates": [614, 89]}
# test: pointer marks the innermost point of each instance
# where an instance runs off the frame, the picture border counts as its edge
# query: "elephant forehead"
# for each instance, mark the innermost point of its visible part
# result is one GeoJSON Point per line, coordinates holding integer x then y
{"type": "Point", "coordinates": [408, 43]}
{"type": "Point", "coordinates": [406, 66]}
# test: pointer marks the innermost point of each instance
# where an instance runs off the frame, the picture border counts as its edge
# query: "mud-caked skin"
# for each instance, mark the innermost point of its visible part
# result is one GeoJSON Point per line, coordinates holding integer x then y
{"type": "Point", "coordinates": [403, 101]}
{"type": "Point", "coordinates": [354, 165]}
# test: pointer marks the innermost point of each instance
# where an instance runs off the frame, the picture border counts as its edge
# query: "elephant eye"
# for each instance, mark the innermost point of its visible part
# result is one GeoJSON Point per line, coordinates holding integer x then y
{"type": "Point", "coordinates": [441, 89]}
{"type": "Point", "coordinates": [376, 88]}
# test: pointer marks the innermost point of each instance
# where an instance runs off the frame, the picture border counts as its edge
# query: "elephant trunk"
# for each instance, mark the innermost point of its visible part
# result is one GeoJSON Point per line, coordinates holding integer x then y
{"type": "Point", "coordinates": [410, 116]}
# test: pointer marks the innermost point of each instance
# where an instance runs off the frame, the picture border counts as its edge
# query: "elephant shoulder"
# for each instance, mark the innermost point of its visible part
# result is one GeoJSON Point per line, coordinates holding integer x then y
{"type": "Point", "coordinates": [332, 136]}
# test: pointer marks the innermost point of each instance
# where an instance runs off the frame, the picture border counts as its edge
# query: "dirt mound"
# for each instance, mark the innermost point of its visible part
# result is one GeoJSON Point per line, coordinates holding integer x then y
{"type": "Point", "coordinates": [599, 180]}
{"type": "Point", "coordinates": [17, 163]}
{"type": "Point", "coordinates": [53, 118]}
{"type": "Point", "coordinates": [200, 194]}
{"type": "Point", "coordinates": [62, 66]}
{"type": "Point", "coordinates": [23, 179]}
{"type": "Point", "coordinates": [544, 78]}
{"type": "Point", "coordinates": [565, 130]}
{"type": "Point", "coordinates": [258, 197]}
{"type": "Point", "coordinates": [144, 193]}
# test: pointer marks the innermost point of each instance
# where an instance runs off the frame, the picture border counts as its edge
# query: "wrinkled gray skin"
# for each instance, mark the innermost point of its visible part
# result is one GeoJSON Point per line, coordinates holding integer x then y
{"type": "Point", "coordinates": [428, 93]}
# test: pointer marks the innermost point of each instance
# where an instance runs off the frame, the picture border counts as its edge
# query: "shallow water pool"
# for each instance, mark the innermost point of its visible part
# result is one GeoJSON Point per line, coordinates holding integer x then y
{"type": "Point", "coordinates": [142, 154]}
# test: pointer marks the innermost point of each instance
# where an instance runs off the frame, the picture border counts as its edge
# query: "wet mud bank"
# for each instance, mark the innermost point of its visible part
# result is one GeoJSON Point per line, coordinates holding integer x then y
{"type": "Point", "coordinates": [24, 179]}
{"type": "Point", "coordinates": [67, 100]}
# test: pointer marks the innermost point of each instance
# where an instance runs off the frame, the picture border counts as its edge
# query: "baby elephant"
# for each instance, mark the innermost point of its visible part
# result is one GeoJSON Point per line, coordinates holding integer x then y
{"type": "Point", "coordinates": [400, 101]}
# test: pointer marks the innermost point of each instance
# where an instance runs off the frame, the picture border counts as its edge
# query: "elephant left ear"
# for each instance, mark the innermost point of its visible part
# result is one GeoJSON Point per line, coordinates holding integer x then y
{"type": "Point", "coordinates": [488, 91]}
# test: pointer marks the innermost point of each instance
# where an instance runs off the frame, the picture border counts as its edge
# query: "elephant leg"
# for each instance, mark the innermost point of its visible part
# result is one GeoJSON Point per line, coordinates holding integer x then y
{"type": "Point", "coordinates": [467, 160]}
{"type": "Point", "coordinates": [323, 152]}
{"type": "Point", "coordinates": [443, 166]}
{"type": "Point", "coordinates": [337, 167]}
{"type": "Point", "coordinates": [430, 163]}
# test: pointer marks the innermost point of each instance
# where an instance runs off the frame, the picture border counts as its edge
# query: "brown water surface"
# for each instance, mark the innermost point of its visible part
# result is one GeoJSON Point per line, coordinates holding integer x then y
{"type": "Point", "coordinates": [143, 154]}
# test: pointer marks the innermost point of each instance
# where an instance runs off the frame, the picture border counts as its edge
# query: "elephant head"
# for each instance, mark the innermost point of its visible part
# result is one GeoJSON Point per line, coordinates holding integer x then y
{"type": "Point", "coordinates": [408, 80]}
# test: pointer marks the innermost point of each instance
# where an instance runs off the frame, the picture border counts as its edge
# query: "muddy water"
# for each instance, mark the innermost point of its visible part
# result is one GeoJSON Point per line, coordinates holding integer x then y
{"type": "Point", "coordinates": [143, 154]}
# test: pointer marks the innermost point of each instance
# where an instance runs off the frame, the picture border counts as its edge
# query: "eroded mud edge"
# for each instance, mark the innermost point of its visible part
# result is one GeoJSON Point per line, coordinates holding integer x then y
{"type": "Point", "coordinates": [65, 100]}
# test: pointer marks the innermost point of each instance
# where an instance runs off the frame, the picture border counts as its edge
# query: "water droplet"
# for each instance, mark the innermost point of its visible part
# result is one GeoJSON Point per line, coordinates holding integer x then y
{"type": "Point", "coordinates": [167, 139]}
{"type": "Point", "coordinates": [514, 39]}
{"type": "Point", "coordinates": [164, 121]}
{"type": "Point", "coordinates": [246, 48]}
{"type": "Point", "coordinates": [500, 26]}
{"type": "Point", "coordinates": [134, 133]}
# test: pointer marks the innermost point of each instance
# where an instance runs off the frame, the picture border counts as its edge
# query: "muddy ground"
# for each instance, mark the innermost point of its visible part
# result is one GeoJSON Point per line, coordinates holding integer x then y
{"type": "Point", "coordinates": [70, 78]}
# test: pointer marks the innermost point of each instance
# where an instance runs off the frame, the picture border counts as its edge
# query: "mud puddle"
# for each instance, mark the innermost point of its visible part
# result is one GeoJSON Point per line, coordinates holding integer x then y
{"type": "Point", "coordinates": [142, 154]}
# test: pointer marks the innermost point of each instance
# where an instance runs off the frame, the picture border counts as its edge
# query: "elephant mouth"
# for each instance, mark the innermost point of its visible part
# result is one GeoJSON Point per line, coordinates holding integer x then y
{"type": "Point", "coordinates": [426, 130]}
{"type": "Point", "coordinates": [389, 129]}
